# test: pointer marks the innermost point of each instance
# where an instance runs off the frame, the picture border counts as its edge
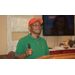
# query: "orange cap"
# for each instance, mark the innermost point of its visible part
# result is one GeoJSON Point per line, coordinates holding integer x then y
{"type": "Point", "coordinates": [34, 20]}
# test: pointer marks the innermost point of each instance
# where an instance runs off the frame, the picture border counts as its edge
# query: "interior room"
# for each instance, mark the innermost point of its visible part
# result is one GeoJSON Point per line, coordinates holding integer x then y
{"type": "Point", "coordinates": [14, 27]}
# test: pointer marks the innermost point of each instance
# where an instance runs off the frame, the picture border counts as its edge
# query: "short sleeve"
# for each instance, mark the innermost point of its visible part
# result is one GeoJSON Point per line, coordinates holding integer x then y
{"type": "Point", "coordinates": [20, 49]}
{"type": "Point", "coordinates": [47, 49]}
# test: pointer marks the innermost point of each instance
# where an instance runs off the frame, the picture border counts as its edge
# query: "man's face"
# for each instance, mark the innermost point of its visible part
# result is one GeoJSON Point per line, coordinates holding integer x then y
{"type": "Point", "coordinates": [35, 28]}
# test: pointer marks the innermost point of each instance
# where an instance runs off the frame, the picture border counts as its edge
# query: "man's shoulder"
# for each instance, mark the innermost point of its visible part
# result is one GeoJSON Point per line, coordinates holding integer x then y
{"type": "Point", "coordinates": [24, 38]}
{"type": "Point", "coordinates": [43, 39]}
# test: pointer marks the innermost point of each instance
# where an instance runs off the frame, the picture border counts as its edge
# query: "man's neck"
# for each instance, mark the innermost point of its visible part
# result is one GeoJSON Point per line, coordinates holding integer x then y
{"type": "Point", "coordinates": [34, 35]}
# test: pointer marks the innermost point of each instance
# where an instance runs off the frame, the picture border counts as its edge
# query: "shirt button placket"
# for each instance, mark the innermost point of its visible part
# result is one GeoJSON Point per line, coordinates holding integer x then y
{"type": "Point", "coordinates": [37, 43]}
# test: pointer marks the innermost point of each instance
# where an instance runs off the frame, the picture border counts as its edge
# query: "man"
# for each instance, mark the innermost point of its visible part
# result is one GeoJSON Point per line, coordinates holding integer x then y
{"type": "Point", "coordinates": [38, 44]}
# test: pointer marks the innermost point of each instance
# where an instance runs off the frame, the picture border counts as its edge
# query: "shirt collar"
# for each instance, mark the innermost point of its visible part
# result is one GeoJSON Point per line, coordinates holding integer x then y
{"type": "Point", "coordinates": [33, 37]}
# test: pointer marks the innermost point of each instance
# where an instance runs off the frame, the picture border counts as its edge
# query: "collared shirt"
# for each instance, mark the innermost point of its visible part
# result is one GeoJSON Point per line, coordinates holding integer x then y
{"type": "Point", "coordinates": [39, 46]}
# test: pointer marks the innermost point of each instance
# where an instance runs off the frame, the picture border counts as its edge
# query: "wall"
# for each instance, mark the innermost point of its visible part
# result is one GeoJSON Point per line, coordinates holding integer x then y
{"type": "Point", "coordinates": [3, 34]}
{"type": "Point", "coordinates": [51, 40]}
{"type": "Point", "coordinates": [17, 36]}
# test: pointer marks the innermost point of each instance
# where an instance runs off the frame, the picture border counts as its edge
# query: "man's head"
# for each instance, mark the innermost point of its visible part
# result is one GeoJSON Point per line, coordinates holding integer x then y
{"type": "Point", "coordinates": [35, 25]}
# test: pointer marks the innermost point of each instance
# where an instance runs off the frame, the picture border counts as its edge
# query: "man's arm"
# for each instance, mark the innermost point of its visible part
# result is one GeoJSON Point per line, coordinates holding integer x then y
{"type": "Point", "coordinates": [47, 49]}
{"type": "Point", "coordinates": [22, 56]}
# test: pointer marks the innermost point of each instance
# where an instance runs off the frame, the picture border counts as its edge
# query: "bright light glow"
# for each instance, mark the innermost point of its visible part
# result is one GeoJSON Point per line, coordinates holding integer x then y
{"type": "Point", "coordinates": [51, 17]}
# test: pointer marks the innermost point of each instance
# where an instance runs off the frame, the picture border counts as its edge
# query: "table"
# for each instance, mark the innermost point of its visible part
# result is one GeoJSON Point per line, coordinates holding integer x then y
{"type": "Point", "coordinates": [6, 57]}
{"type": "Point", "coordinates": [59, 56]}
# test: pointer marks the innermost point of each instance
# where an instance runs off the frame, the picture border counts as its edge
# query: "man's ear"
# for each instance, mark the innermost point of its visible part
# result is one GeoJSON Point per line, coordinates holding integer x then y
{"type": "Point", "coordinates": [29, 28]}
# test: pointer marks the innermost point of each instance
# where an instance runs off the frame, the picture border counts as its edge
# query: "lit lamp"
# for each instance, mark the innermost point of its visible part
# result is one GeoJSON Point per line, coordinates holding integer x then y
{"type": "Point", "coordinates": [65, 43]}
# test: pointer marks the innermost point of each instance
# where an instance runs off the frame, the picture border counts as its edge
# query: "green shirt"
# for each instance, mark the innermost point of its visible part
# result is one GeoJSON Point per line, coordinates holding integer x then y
{"type": "Point", "coordinates": [39, 46]}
